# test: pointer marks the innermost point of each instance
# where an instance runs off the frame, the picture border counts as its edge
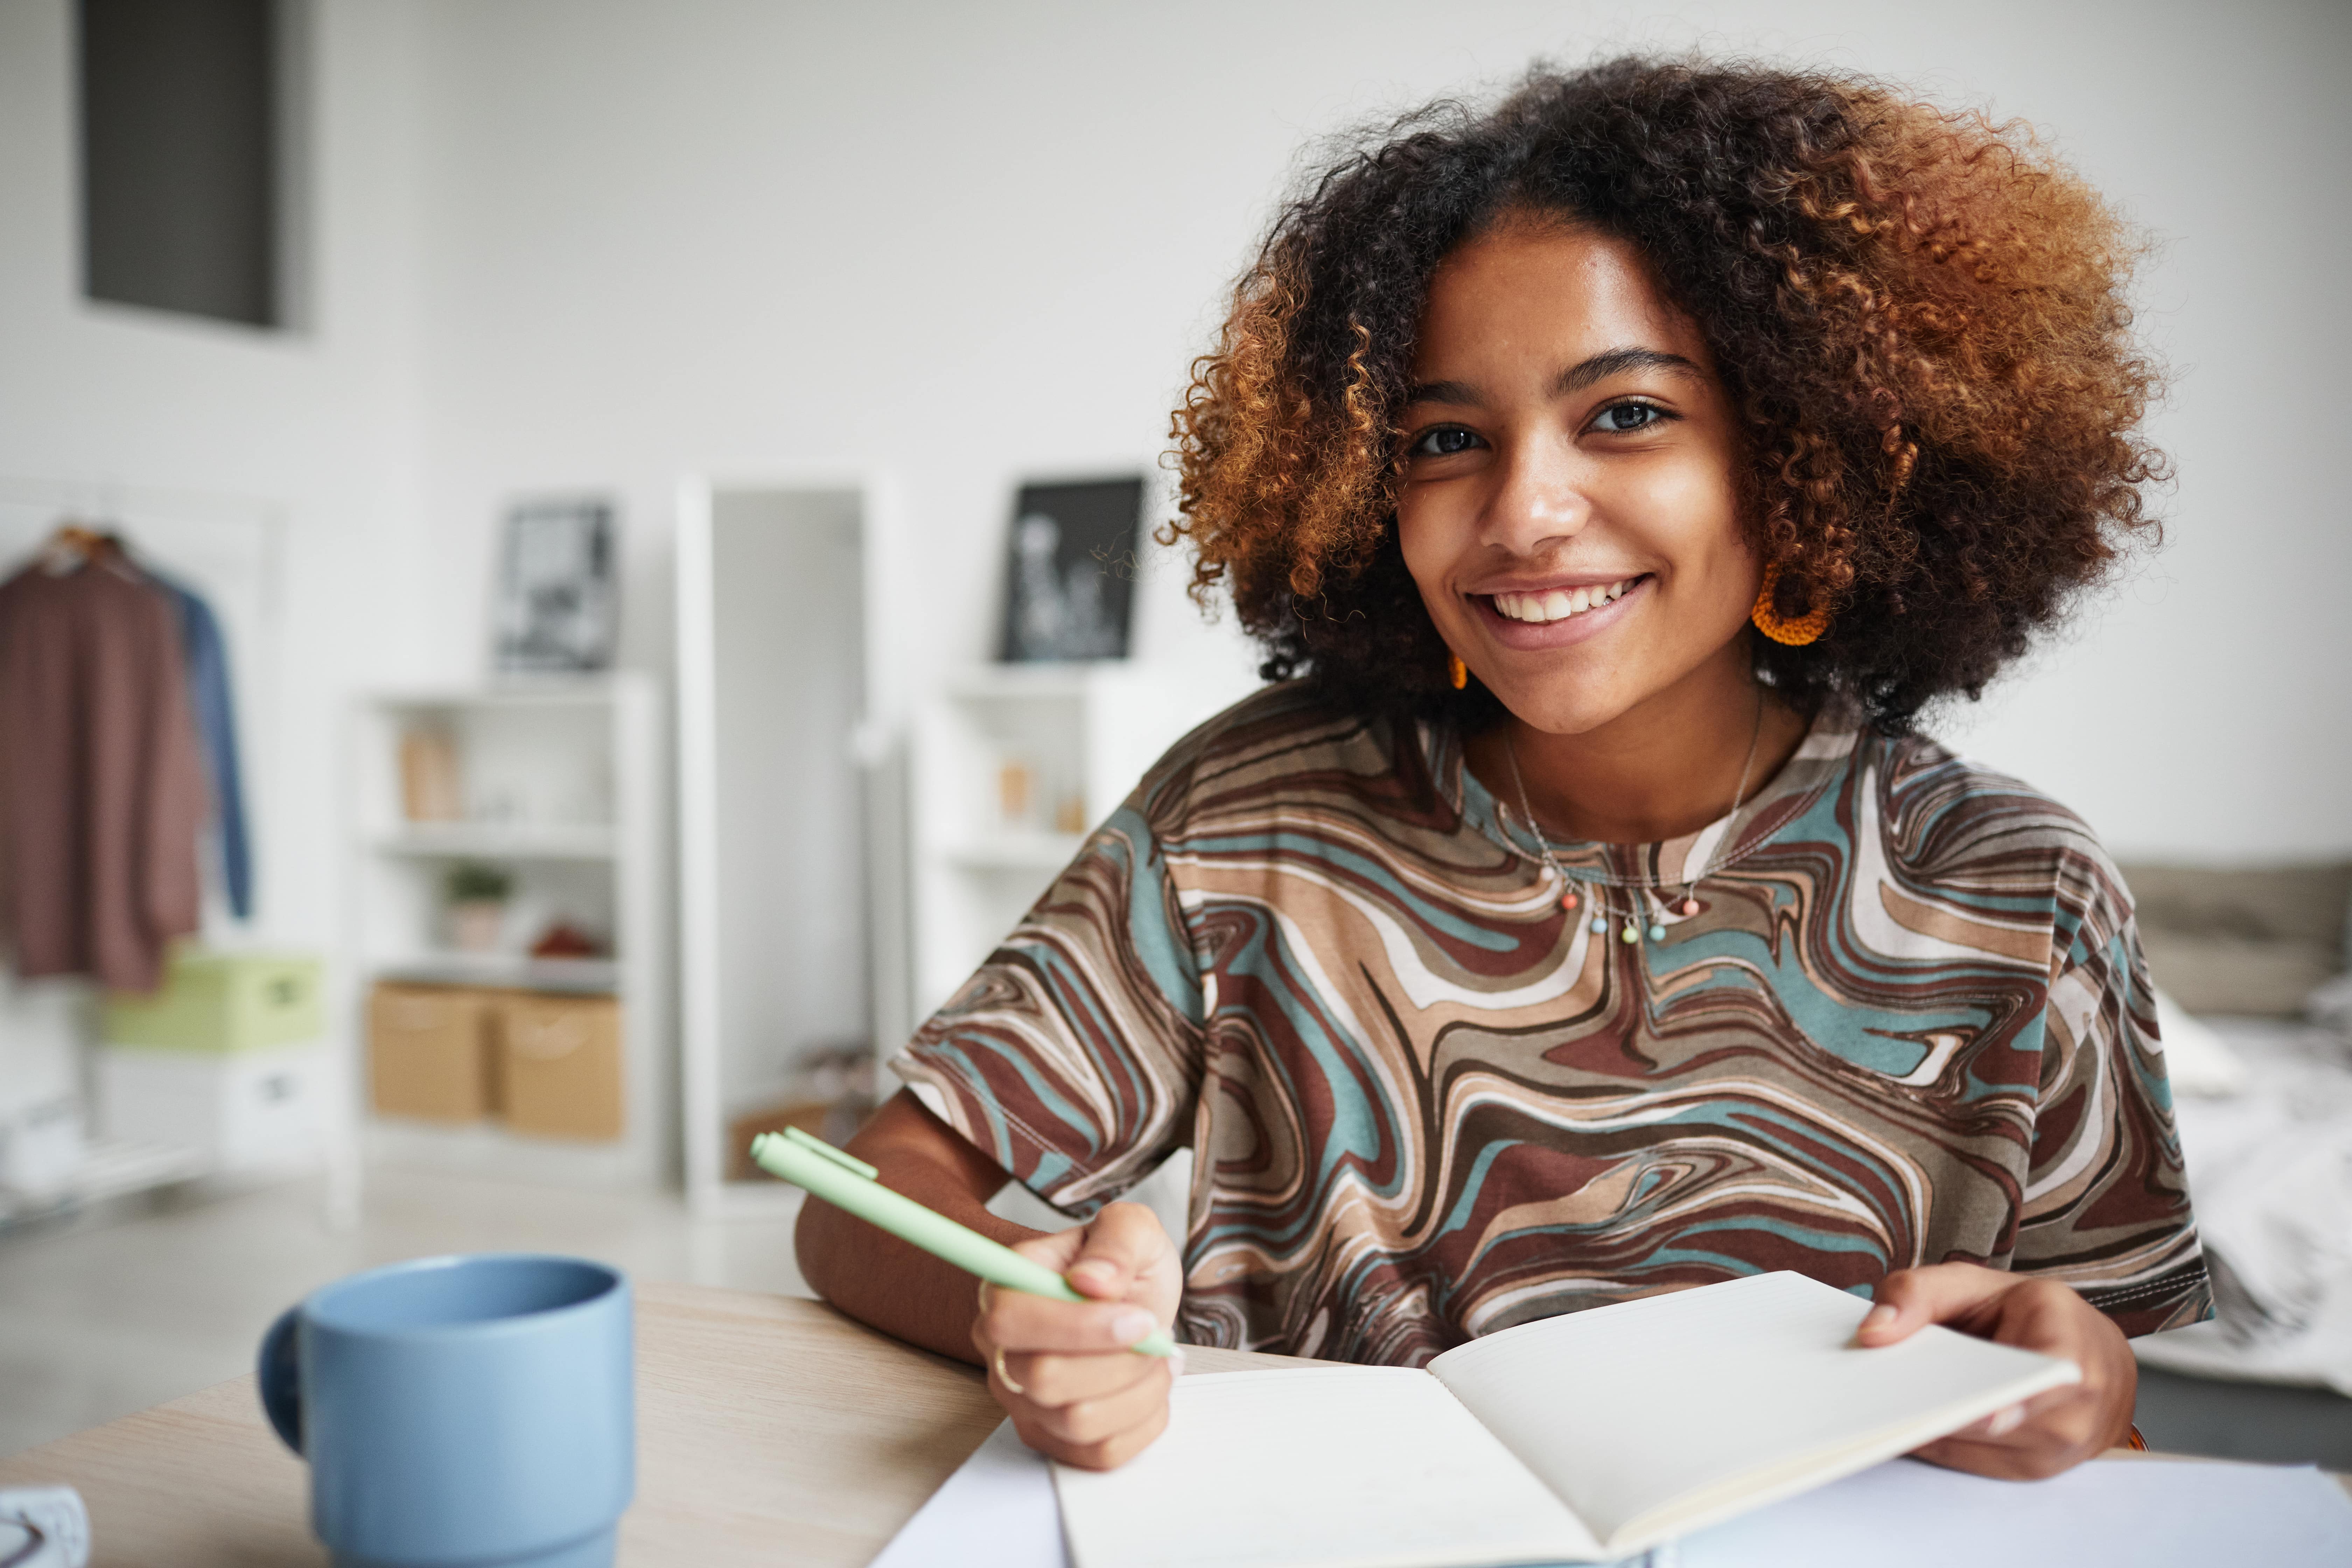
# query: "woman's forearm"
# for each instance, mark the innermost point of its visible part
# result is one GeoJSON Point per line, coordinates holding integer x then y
{"type": "Point", "coordinates": [881, 1280]}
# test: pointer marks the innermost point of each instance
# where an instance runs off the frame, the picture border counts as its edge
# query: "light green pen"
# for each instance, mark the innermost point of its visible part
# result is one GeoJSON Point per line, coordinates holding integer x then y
{"type": "Point", "coordinates": [848, 1183]}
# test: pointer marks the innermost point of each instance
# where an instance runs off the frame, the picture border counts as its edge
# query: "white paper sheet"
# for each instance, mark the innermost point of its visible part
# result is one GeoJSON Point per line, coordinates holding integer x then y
{"type": "Point", "coordinates": [996, 1511]}
{"type": "Point", "coordinates": [999, 1511]}
{"type": "Point", "coordinates": [1368, 1466]}
{"type": "Point", "coordinates": [2127, 1513]}
{"type": "Point", "coordinates": [1714, 1401]}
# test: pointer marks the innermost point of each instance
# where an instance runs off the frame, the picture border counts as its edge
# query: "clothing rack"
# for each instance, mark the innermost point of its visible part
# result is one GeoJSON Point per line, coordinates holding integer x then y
{"type": "Point", "coordinates": [232, 550]}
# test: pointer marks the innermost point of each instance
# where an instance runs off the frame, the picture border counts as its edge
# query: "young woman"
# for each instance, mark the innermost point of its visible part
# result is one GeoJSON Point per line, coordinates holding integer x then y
{"type": "Point", "coordinates": [1613, 478]}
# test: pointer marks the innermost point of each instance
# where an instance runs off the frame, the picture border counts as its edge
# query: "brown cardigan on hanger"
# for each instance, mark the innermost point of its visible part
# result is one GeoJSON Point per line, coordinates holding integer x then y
{"type": "Point", "coordinates": [101, 784]}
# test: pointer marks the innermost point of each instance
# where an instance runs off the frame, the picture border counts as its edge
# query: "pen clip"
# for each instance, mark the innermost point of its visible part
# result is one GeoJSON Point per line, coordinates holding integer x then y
{"type": "Point", "coordinates": [820, 1147]}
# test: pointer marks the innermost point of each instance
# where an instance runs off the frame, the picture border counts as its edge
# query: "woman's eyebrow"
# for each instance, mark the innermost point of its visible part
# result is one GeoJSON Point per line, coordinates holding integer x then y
{"type": "Point", "coordinates": [1575, 378]}
{"type": "Point", "coordinates": [1460, 393]}
{"type": "Point", "coordinates": [1617, 362]}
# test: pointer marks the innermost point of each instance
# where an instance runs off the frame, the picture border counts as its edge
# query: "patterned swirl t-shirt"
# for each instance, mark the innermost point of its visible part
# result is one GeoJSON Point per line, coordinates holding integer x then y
{"type": "Point", "coordinates": [1909, 1023]}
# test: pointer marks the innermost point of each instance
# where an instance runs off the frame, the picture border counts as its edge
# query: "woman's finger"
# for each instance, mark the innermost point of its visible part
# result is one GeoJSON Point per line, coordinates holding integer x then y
{"type": "Point", "coordinates": [1053, 1379]}
{"type": "Point", "coordinates": [2010, 1418]}
{"type": "Point", "coordinates": [1119, 1246]}
{"type": "Point", "coordinates": [1911, 1298]}
{"type": "Point", "coordinates": [1084, 1422]}
{"type": "Point", "coordinates": [2031, 1442]}
{"type": "Point", "coordinates": [1106, 1454]}
{"type": "Point", "coordinates": [2007, 1460]}
{"type": "Point", "coordinates": [1016, 1321]}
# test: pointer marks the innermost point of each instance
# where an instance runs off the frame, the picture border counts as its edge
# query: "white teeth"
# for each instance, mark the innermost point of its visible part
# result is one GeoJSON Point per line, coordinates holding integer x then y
{"type": "Point", "coordinates": [1558, 603]}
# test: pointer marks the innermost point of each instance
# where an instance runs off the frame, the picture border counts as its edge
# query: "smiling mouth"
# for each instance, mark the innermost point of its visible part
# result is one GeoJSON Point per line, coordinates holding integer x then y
{"type": "Point", "coordinates": [1559, 603]}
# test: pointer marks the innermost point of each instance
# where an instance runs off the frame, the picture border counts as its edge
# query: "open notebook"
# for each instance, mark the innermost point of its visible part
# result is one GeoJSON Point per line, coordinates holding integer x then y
{"type": "Point", "coordinates": [1583, 1437]}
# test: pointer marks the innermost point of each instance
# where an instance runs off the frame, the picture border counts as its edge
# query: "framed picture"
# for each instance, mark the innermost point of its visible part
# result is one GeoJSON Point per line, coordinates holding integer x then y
{"type": "Point", "coordinates": [557, 608]}
{"type": "Point", "coordinates": [1069, 576]}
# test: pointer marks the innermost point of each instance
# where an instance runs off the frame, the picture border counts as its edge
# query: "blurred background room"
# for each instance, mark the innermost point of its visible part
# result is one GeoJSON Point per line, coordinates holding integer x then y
{"type": "Point", "coordinates": [614, 537]}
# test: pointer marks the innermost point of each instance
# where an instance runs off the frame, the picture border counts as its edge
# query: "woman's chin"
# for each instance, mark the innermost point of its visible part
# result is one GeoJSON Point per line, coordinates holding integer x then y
{"type": "Point", "coordinates": [1561, 705]}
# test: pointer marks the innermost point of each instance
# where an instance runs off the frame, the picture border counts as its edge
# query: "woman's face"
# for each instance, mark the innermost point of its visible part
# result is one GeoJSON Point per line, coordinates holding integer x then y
{"type": "Point", "coordinates": [1569, 505]}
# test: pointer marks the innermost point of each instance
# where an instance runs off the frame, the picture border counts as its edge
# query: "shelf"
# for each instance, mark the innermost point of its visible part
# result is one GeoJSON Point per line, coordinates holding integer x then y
{"type": "Point", "coordinates": [508, 840]}
{"type": "Point", "coordinates": [1017, 852]}
{"type": "Point", "coordinates": [587, 976]}
{"type": "Point", "coordinates": [492, 1150]}
{"type": "Point", "coordinates": [557, 782]}
{"type": "Point", "coordinates": [109, 1169]}
{"type": "Point", "coordinates": [553, 691]}
{"type": "Point", "coordinates": [1030, 683]}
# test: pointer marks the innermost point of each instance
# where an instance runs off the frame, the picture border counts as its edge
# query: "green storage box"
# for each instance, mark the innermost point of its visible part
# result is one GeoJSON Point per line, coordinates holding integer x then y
{"type": "Point", "coordinates": [222, 1002]}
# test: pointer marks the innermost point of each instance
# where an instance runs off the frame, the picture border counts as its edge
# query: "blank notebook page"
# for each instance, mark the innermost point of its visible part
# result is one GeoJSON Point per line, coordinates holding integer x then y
{"type": "Point", "coordinates": [1624, 1409]}
{"type": "Point", "coordinates": [1368, 1466]}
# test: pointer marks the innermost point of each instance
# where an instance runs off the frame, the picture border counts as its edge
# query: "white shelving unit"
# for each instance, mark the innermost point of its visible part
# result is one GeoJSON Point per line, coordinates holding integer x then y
{"type": "Point", "coordinates": [564, 786]}
{"type": "Point", "coordinates": [1084, 734]}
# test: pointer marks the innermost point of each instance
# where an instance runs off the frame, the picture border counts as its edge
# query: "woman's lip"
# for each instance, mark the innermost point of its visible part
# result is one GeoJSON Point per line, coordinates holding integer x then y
{"type": "Point", "coordinates": [1576, 628]}
{"type": "Point", "coordinates": [1554, 584]}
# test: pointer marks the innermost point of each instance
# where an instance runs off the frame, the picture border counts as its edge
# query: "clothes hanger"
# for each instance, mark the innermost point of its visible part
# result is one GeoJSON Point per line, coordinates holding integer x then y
{"type": "Point", "coordinates": [76, 543]}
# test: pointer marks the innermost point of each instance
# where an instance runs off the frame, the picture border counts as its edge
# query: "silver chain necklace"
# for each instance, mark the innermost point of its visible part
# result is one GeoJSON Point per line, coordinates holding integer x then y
{"type": "Point", "coordinates": [1569, 897]}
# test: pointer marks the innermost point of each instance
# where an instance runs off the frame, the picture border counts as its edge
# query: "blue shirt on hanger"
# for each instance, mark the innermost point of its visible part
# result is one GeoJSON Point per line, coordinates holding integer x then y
{"type": "Point", "coordinates": [209, 699]}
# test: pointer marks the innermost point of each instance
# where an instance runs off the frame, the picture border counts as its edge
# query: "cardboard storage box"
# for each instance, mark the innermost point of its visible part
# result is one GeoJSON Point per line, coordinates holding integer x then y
{"type": "Point", "coordinates": [560, 1065]}
{"type": "Point", "coordinates": [221, 1002]}
{"type": "Point", "coordinates": [429, 1051]}
{"type": "Point", "coordinates": [242, 1110]}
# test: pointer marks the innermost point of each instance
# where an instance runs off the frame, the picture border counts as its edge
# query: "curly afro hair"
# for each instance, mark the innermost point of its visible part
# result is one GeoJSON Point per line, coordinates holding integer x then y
{"type": "Point", "coordinates": [1919, 316]}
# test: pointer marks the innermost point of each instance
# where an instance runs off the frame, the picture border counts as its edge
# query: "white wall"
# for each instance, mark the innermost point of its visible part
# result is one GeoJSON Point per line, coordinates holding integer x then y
{"type": "Point", "coordinates": [597, 242]}
{"type": "Point", "coordinates": [970, 241]}
{"type": "Point", "coordinates": [964, 241]}
{"type": "Point", "coordinates": [112, 407]}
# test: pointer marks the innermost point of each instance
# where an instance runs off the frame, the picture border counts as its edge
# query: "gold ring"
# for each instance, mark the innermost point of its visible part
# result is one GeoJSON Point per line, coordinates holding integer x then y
{"type": "Point", "coordinates": [996, 1365]}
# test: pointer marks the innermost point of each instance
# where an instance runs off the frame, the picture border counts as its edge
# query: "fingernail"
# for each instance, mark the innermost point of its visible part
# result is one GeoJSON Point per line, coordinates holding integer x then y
{"type": "Point", "coordinates": [2004, 1422]}
{"type": "Point", "coordinates": [1093, 1268]}
{"type": "Point", "coordinates": [1877, 1318]}
{"type": "Point", "coordinates": [1176, 1362]}
{"type": "Point", "coordinates": [1131, 1325]}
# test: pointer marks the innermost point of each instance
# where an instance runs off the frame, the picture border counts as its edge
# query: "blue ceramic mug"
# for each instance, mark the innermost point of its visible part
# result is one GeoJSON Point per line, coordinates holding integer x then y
{"type": "Point", "coordinates": [473, 1410]}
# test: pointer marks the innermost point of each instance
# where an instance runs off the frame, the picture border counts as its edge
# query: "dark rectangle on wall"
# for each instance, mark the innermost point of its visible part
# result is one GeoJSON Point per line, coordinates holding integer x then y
{"type": "Point", "coordinates": [179, 156]}
{"type": "Point", "coordinates": [1070, 574]}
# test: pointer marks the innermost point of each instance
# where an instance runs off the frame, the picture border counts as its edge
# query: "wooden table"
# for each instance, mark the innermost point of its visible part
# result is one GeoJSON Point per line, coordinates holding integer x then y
{"type": "Point", "coordinates": [770, 1430]}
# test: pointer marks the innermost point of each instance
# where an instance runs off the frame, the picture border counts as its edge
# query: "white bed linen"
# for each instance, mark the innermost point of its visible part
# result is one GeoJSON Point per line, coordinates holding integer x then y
{"type": "Point", "coordinates": [2270, 1175]}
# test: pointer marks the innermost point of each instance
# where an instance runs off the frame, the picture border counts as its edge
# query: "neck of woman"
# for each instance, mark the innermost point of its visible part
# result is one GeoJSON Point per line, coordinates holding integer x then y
{"type": "Point", "coordinates": [1663, 768]}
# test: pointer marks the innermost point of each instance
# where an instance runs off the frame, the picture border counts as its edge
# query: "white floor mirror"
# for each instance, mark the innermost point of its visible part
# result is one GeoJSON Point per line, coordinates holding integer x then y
{"type": "Point", "coordinates": [790, 794]}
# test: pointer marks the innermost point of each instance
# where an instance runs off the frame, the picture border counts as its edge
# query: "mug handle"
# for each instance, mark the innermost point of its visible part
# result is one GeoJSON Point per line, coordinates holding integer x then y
{"type": "Point", "coordinates": [278, 1375]}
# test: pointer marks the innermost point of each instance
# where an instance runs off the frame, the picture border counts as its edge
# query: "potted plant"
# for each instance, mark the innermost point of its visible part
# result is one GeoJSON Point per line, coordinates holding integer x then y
{"type": "Point", "coordinates": [477, 896]}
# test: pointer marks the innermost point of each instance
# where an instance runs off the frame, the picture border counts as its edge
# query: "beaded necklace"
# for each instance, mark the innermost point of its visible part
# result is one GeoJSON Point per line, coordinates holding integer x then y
{"type": "Point", "coordinates": [1569, 897]}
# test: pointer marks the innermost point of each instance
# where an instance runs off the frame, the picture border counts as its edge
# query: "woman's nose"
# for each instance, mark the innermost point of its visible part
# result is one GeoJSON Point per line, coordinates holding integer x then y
{"type": "Point", "coordinates": [1541, 498]}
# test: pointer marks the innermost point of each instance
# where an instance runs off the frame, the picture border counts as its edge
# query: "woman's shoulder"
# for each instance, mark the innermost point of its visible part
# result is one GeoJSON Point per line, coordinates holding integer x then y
{"type": "Point", "coordinates": [1946, 818]}
{"type": "Point", "coordinates": [1285, 738]}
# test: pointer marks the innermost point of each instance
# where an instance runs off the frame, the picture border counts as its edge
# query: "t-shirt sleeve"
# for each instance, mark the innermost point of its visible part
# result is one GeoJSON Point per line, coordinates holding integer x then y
{"type": "Point", "coordinates": [1074, 1057]}
{"type": "Point", "coordinates": [2107, 1199]}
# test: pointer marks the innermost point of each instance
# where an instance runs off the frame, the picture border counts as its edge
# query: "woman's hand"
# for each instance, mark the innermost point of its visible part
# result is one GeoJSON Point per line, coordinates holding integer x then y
{"type": "Point", "coordinates": [1063, 1370]}
{"type": "Point", "coordinates": [2050, 1431]}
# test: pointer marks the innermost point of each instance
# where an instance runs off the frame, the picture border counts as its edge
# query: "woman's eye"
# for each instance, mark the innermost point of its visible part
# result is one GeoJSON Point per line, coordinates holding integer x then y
{"type": "Point", "coordinates": [1619, 418]}
{"type": "Point", "coordinates": [1444, 442]}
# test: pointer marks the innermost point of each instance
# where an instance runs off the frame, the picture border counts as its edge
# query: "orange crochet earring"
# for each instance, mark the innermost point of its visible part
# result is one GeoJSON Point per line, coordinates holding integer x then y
{"type": "Point", "coordinates": [1797, 633]}
{"type": "Point", "coordinates": [1456, 671]}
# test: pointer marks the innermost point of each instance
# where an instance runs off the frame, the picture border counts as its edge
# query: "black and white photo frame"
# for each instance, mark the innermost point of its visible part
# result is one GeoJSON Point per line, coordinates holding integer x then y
{"type": "Point", "coordinates": [1070, 570]}
{"type": "Point", "coordinates": [558, 599]}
